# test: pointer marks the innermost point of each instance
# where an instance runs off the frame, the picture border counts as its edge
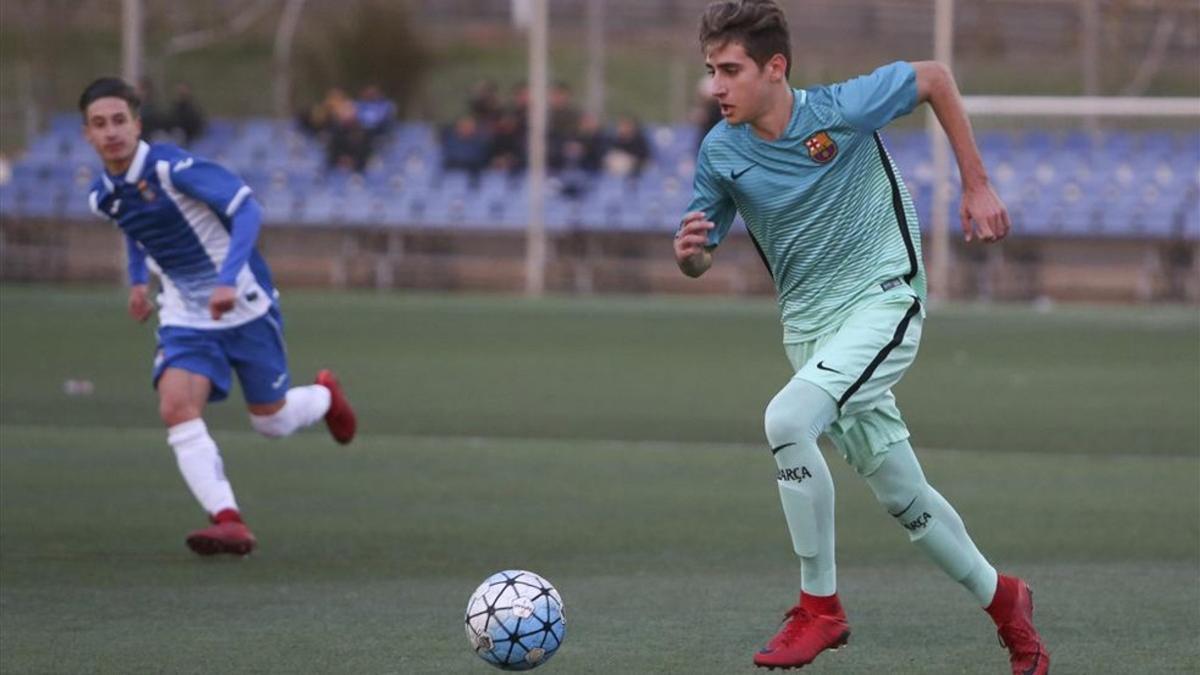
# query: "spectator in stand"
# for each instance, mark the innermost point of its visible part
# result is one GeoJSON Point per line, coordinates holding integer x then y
{"type": "Point", "coordinates": [484, 103]}
{"type": "Point", "coordinates": [563, 115]}
{"type": "Point", "coordinates": [507, 149]}
{"type": "Point", "coordinates": [562, 123]}
{"type": "Point", "coordinates": [155, 121]}
{"type": "Point", "coordinates": [519, 105]}
{"type": "Point", "coordinates": [187, 118]}
{"type": "Point", "coordinates": [335, 122]}
{"type": "Point", "coordinates": [584, 150]}
{"type": "Point", "coordinates": [465, 146]}
{"type": "Point", "coordinates": [628, 150]}
{"type": "Point", "coordinates": [582, 156]}
{"type": "Point", "coordinates": [315, 121]}
{"type": "Point", "coordinates": [349, 144]}
{"type": "Point", "coordinates": [376, 113]}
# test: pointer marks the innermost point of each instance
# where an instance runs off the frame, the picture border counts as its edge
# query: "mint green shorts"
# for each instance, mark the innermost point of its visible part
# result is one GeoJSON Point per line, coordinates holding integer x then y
{"type": "Point", "coordinates": [857, 364]}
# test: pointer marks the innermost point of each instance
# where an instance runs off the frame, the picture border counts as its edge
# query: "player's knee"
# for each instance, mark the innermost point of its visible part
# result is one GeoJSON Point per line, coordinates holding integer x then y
{"type": "Point", "coordinates": [900, 487]}
{"type": "Point", "coordinates": [789, 420]}
{"type": "Point", "coordinates": [272, 426]}
{"type": "Point", "coordinates": [896, 502]}
{"type": "Point", "coordinates": [175, 411]}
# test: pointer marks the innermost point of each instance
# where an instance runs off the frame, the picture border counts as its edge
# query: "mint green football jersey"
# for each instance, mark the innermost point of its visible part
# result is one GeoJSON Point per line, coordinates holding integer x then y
{"type": "Point", "coordinates": [824, 203]}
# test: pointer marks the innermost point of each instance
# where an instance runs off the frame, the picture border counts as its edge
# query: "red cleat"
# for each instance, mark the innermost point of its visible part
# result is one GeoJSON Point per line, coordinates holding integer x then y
{"type": "Point", "coordinates": [1012, 610]}
{"type": "Point", "coordinates": [227, 534]}
{"type": "Point", "coordinates": [340, 416]}
{"type": "Point", "coordinates": [811, 627]}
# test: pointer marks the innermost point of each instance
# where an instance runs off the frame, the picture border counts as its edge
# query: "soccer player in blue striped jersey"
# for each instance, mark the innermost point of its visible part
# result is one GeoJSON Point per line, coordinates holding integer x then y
{"type": "Point", "coordinates": [195, 224]}
{"type": "Point", "coordinates": [809, 173]}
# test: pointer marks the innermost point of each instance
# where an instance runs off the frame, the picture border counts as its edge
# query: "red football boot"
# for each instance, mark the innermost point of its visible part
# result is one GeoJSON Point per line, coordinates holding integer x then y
{"type": "Point", "coordinates": [811, 627]}
{"type": "Point", "coordinates": [340, 416]}
{"type": "Point", "coordinates": [1012, 610]}
{"type": "Point", "coordinates": [227, 534]}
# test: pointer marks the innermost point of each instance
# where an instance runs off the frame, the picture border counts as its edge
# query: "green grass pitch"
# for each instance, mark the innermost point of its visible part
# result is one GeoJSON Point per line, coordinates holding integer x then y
{"type": "Point", "coordinates": [613, 446]}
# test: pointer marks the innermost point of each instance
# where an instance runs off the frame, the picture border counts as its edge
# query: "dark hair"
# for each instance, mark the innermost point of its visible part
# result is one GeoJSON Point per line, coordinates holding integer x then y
{"type": "Point", "coordinates": [758, 25]}
{"type": "Point", "coordinates": [106, 87]}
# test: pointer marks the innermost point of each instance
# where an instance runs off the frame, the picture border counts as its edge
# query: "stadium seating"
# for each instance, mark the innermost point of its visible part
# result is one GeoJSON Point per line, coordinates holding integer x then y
{"type": "Point", "coordinates": [1138, 184]}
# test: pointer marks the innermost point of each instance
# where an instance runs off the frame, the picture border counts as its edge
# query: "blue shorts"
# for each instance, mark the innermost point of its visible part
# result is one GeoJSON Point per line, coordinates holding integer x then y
{"type": "Point", "coordinates": [255, 349]}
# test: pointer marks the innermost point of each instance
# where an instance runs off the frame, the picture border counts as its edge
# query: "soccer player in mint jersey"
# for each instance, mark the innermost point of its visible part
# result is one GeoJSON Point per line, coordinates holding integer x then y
{"type": "Point", "coordinates": [811, 177]}
{"type": "Point", "coordinates": [194, 224]}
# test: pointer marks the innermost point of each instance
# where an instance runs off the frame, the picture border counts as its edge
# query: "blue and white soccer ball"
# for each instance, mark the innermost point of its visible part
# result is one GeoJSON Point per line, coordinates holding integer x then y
{"type": "Point", "coordinates": [515, 620]}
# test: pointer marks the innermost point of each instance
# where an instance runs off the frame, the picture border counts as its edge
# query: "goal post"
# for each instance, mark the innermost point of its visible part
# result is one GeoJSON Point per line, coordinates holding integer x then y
{"type": "Point", "coordinates": [1082, 107]}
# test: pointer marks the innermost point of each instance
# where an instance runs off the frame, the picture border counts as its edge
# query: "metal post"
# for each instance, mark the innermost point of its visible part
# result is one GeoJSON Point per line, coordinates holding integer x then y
{"type": "Point", "coordinates": [535, 240]}
{"type": "Point", "coordinates": [131, 61]}
{"type": "Point", "coordinates": [1090, 58]}
{"type": "Point", "coordinates": [939, 250]}
{"type": "Point", "coordinates": [596, 56]}
{"type": "Point", "coordinates": [131, 41]}
{"type": "Point", "coordinates": [284, 36]}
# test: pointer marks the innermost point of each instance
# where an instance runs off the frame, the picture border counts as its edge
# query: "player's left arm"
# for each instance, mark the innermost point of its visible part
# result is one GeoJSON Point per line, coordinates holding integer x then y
{"type": "Point", "coordinates": [244, 228]}
{"type": "Point", "coordinates": [228, 196]}
{"type": "Point", "coordinates": [981, 206]}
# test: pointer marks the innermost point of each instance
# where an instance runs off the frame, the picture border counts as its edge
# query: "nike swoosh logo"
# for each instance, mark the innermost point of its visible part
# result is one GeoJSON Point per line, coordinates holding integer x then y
{"type": "Point", "coordinates": [776, 449]}
{"type": "Point", "coordinates": [821, 366]}
{"type": "Point", "coordinates": [903, 510]}
{"type": "Point", "coordinates": [279, 381]}
{"type": "Point", "coordinates": [736, 175]}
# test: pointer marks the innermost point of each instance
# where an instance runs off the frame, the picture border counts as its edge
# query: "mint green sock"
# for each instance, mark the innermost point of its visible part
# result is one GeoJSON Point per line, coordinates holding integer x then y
{"type": "Point", "coordinates": [794, 420]}
{"type": "Point", "coordinates": [931, 522]}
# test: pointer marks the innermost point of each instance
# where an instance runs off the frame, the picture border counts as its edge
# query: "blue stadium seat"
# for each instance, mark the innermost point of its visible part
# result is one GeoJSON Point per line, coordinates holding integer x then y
{"type": "Point", "coordinates": [395, 212]}
{"type": "Point", "coordinates": [515, 214]}
{"type": "Point", "coordinates": [495, 183]}
{"type": "Point", "coordinates": [8, 199]}
{"type": "Point", "coordinates": [319, 207]}
{"type": "Point", "coordinates": [455, 183]}
{"type": "Point", "coordinates": [360, 209]}
{"type": "Point", "coordinates": [75, 206]}
{"type": "Point", "coordinates": [1189, 222]}
{"type": "Point", "coordinates": [42, 201]}
{"type": "Point", "coordinates": [65, 124]}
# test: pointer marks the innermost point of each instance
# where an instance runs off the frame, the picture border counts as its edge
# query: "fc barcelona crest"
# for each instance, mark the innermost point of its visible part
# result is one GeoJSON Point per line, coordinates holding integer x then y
{"type": "Point", "coordinates": [821, 147]}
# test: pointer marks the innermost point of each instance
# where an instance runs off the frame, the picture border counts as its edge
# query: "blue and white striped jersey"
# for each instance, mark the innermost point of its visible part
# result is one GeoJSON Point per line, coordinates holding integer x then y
{"type": "Point", "coordinates": [194, 224]}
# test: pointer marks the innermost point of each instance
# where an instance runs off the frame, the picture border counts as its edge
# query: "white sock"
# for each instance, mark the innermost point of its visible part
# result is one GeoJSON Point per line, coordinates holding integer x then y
{"type": "Point", "coordinates": [795, 419]}
{"type": "Point", "coordinates": [302, 407]}
{"type": "Point", "coordinates": [201, 466]}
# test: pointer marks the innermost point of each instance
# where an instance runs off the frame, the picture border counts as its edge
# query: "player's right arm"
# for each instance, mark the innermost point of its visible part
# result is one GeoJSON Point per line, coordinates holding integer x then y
{"type": "Point", "coordinates": [707, 222]}
{"type": "Point", "coordinates": [872, 101]}
{"type": "Point", "coordinates": [691, 245]}
{"type": "Point", "coordinates": [981, 206]}
{"type": "Point", "coordinates": [140, 307]}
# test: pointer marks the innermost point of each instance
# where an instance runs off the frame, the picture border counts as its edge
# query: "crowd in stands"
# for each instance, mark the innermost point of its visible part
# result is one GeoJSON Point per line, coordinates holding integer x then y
{"type": "Point", "coordinates": [491, 134]}
{"type": "Point", "coordinates": [181, 121]}
{"type": "Point", "coordinates": [351, 130]}
{"type": "Point", "coordinates": [351, 160]}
